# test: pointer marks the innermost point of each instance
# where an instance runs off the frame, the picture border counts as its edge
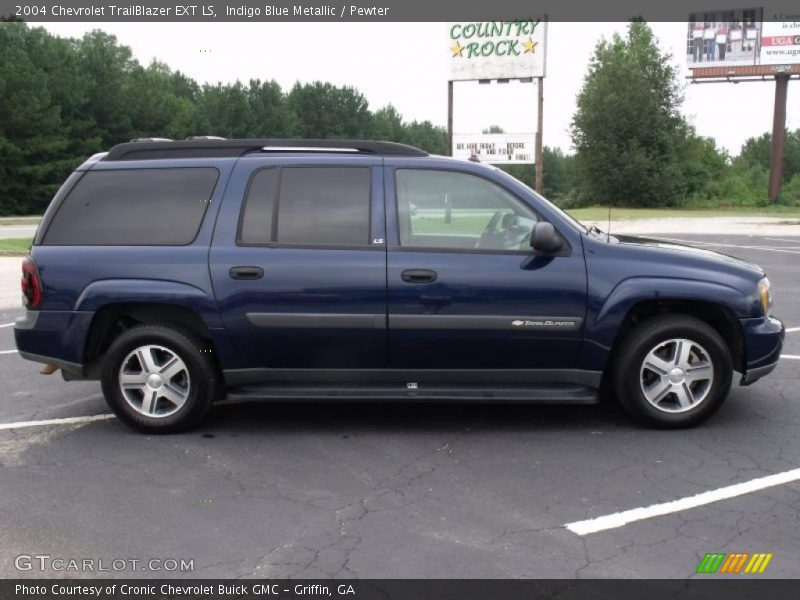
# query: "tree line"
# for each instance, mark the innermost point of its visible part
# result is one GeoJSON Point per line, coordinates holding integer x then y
{"type": "Point", "coordinates": [64, 99]}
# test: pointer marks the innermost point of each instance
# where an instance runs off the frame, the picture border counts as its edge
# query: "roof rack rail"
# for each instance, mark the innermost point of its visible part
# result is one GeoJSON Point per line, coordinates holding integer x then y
{"type": "Point", "coordinates": [150, 139]}
{"type": "Point", "coordinates": [212, 148]}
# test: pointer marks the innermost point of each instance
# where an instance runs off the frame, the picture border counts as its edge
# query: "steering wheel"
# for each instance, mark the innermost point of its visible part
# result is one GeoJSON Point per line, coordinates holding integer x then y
{"type": "Point", "coordinates": [490, 231]}
{"type": "Point", "coordinates": [509, 236]}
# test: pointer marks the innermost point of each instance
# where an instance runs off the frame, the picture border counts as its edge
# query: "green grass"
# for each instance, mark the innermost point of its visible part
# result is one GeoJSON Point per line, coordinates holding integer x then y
{"type": "Point", "coordinates": [459, 224]}
{"type": "Point", "coordinates": [600, 213]}
{"type": "Point", "coordinates": [19, 221]}
{"type": "Point", "coordinates": [14, 246]}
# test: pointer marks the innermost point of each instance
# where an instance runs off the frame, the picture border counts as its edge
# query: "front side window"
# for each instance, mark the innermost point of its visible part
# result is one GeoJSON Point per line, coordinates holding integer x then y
{"type": "Point", "coordinates": [450, 209]}
{"type": "Point", "coordinates": [136, 207]}
{"type": "Point", "coordinates": [316, 206]}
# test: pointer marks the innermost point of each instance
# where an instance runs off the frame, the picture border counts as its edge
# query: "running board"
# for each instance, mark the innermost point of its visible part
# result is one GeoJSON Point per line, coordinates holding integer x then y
{"type": "Point", "coordinates": [540, 394]}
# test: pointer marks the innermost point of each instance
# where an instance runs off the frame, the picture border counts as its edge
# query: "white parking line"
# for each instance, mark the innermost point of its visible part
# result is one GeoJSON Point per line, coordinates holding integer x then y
{"type": "Point", "coordinates": [792, 356]}
{"type": "Point", "coordinates": [8, 351]}
{"type": "Point", "coordinates": [64, 421]}
{"type": "Point", "coordinates": [4, 325]}
{"type": "Point", "coordinates": [795, 240]}
{"type": "Point", "coordinates": [656, 510]}
{"type": "Point", "coordinates": [792, 329]}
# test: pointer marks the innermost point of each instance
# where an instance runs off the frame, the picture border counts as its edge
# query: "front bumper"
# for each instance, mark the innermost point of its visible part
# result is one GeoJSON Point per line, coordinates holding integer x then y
{"type": "Point", "coordinates": [763, 342]}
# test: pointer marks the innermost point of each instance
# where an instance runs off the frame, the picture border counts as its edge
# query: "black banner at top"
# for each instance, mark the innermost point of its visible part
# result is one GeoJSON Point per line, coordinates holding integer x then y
{"type": "Point", "coordinates": [373, 10]}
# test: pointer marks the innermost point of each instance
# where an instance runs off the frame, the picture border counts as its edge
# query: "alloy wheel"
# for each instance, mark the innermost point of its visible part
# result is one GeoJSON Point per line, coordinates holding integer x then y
{"type": "Point", "coordinates": [676, 375]}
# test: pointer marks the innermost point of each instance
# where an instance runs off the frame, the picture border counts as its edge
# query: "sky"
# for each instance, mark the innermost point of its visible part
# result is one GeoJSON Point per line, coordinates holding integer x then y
{"type": "Point", "coordinates": [406, 64]}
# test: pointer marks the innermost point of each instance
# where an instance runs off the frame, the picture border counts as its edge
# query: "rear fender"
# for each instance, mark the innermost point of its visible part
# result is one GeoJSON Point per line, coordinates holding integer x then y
{"type": "Point", "coordinates": [114, 291]}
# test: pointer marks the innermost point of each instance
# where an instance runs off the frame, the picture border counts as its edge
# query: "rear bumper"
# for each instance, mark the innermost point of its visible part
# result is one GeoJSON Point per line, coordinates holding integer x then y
{"type": "Point", "coordinates": [763, 342]}
{"type": "Point", "coordinates": [55, 337]}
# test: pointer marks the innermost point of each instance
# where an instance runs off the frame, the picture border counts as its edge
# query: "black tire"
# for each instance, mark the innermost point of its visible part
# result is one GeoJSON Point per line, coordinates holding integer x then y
{"type": "Point", "coordinates": [627, 370]}
{"type": "Point", "coordinates": [204, 380]}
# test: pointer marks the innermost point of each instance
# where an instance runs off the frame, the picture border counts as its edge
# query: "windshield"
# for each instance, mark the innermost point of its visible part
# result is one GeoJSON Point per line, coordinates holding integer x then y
{"type": "Point", "coordinates": [544, 200]}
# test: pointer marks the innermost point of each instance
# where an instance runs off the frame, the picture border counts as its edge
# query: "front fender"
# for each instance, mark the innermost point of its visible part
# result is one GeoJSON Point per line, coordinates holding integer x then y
{"type": "Point", "coordinates": [115, 291]}
{"type": "Point", "coordinates": [605, 319]}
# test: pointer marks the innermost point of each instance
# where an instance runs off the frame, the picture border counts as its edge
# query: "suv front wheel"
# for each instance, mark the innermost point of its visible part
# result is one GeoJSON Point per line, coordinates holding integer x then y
{"type": "Point", "coordinates": [672, 371]}
{"type": "Point", "coordinates": [159, 379]}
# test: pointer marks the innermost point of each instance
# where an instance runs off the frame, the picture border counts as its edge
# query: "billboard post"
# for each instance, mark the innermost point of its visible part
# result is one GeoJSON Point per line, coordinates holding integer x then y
{"type": "Point", "coordinates": [778, 136]}
{"type": "Point", "coordinates": [539, 123]}
{"type": "Point", "coordinates": [450, 117]}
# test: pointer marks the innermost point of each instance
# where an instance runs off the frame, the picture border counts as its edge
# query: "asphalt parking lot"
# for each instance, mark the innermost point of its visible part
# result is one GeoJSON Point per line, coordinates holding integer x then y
{"type": "Point", "coordinates": [429, 491]}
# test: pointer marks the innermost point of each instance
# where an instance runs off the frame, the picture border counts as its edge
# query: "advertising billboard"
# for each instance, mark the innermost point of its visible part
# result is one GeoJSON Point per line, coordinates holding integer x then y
{"type": "Point", "coordinates": [496, 148]}
{"type": "Point", "coordinates": [731, 37]}
{"type": "Point", "coordinates": [780, 43]}
{"type": "Point", "coordinates": [497, 49]}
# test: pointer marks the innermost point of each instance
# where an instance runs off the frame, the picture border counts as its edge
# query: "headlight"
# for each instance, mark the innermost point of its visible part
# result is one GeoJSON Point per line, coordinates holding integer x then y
{"type": "Point", "coordinates": [765, 295]}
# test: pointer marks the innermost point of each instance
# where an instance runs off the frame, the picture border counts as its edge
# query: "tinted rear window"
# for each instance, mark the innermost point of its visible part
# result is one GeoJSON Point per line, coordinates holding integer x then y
{"type": "Point", "coordinates": [316, 206]}
{"type": "Point", "coordinates": [259, 206]}
{"type": "Point", "coordinates": [134, 207]}
{"type": "Point", "coordinates": [326, 206]}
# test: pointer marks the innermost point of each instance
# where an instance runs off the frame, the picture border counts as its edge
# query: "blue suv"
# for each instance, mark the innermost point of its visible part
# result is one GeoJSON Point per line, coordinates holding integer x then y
{"type": "Point", "coordinates": [178, 271]}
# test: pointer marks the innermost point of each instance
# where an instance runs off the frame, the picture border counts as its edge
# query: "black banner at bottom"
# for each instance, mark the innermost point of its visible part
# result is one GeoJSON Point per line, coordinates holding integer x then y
{"type": "Point", "coordinates": [731, 588]}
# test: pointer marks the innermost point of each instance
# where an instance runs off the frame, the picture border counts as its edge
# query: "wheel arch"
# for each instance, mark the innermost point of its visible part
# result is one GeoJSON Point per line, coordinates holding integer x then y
{"type": "Point", "coordinates": [112, 319]}
{"type": "Point", "coordinates": [639, 298]}
{"type": "Point", "coordinates": [721, 318]}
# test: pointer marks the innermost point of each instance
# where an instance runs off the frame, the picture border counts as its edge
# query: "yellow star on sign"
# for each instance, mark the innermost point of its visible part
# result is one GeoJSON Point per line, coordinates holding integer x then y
{"type": "Point", "coordinates": [529, 45]}
{"type": "Point", "coordinates": [457, 49]}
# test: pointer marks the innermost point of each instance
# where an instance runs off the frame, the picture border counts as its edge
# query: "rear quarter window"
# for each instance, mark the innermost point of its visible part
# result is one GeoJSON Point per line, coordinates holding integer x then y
{"type": "Point", "coordinates": [134, 207]}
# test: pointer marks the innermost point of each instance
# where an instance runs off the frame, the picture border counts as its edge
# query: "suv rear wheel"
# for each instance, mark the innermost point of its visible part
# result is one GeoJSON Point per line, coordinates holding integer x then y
{"type": "Point", "coordinates": [672, 371]}
{"type": "Point", "coordinates": [159, 379]}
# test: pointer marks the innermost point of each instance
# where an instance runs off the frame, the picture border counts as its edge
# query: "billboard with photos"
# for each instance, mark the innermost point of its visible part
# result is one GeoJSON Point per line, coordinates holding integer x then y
{"type": "Point", "coordinates": [731, 37]}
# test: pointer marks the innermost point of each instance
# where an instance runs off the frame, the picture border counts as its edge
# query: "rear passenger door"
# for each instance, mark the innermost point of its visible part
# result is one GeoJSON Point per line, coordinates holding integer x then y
{"type": "Point", "coordinates": [298, 263]}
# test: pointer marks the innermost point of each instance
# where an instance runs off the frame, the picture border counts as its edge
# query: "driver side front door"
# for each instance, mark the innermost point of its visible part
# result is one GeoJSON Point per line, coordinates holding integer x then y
{"type": "Point", "coordinates": [465, 290]}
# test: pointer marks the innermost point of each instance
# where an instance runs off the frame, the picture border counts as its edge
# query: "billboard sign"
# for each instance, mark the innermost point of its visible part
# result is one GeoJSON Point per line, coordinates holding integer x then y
{"type": "Point", "coordinates": [722, 38]}
{"type": "Point", "coordinates": [497, 49]}
{"type": "Point", "coordinates": [496, 148]}
{"type": "Point", "coordinates": [780, 43]}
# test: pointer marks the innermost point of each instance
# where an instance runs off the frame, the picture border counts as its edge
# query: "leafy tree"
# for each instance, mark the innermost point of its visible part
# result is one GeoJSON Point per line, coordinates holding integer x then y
{"type": "Point", "coordinates": [426, 136]}
{"type": "Point", "coordinates": [107, 67]}
{"type": "Point", "coordinates": [31, 127]}
{"type": "Point", "coordinates": [271, 113]}
{"type": "Point", "coordinates": [702, 164]}
{"type": "Point", "coordinates": [327, 111]}
{"type": "Point", "coordinates": [225, 111]}
{"type": "Point", "coordinates": [628, 130]}
{"type": "Point", "coordinates": [557, 172]}
{"type": "Point", "coordinates": [387, 124]}
{"type": "Point", "coordinates": [756, 151]}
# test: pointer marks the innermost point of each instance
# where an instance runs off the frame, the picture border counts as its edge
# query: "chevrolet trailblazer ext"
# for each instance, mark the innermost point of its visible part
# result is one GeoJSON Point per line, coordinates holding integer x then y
{"type": "Point", "coordinates": [176, 271]}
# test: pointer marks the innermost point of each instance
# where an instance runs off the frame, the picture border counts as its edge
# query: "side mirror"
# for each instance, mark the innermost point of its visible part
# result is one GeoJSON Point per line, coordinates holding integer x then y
{"type": "Point", "coordinates": [544, 238]}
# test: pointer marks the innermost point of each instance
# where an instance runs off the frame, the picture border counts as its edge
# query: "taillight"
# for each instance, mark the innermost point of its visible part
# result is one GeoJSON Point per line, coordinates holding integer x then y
{"type": "Point", "coordinates": [31, 284]}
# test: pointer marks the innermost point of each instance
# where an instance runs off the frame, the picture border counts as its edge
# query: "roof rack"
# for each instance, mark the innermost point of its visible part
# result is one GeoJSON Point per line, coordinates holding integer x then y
{"type": "Point", "coordinates": [207, 148]}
